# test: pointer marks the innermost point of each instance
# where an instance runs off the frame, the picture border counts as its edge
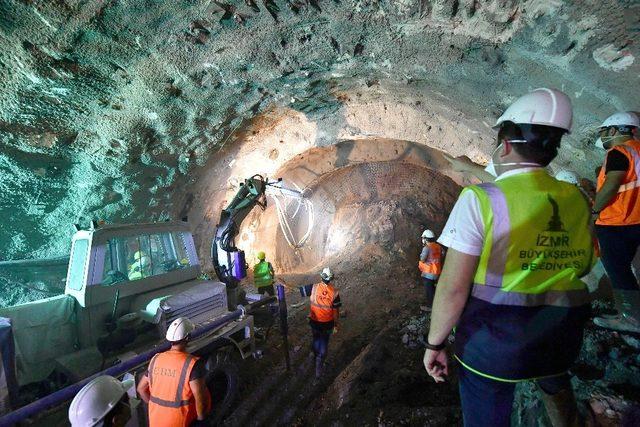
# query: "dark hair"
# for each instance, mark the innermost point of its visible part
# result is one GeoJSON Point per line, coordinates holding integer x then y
{"type": "Point", "coordinates": [182, 341]}
{"type": "Point", "coordinates": [120, 406]}
{"type": "Point", "coordinates": [542, 141]}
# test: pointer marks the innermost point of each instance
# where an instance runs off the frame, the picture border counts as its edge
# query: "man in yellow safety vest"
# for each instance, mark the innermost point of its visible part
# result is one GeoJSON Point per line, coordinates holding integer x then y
{"type": "Point", "coordinates": [511, 282]}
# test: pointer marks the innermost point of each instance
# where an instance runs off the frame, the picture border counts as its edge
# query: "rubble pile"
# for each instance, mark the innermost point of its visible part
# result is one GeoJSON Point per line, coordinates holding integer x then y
{"type": "Point", "coordinates": [414, 333]}
{"type": "Point", "coordinates": [606, 377]}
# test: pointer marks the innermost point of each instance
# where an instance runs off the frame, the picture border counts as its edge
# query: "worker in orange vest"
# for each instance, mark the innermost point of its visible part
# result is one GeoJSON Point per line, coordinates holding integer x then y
{"type": "Point", "coordinates": [174, 385]}
{"type": "Point", "coordinates": [617, 215]}
{"type": "Point", "coordinates": [430, 266]}
{"type": "Point", "coordinates": [323, 315]}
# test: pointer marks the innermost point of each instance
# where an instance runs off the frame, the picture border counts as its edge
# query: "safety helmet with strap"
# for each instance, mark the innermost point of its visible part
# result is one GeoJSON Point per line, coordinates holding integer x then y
{"type": "Point", "coordinates": [623, 121]}
{"type": "Point", "coordinates": [623, 118]}
{"type": "Point", "coordinates": [428, 234]}
{"type": "Point", "coordinates": [179, 329]}
{"type": "Point", "coordinates": [261, 256]}
{"type": "Point", "coordinates": [543, 106]}
{"type": "Point", "coordinates": [326, 275]}
{"type": "Point", "coordinates": [95, 400]}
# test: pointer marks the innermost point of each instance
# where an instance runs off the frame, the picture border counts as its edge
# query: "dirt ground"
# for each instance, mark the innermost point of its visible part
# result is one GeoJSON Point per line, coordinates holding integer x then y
{"type": "Point", "coordinates": [370, 377]}
{"type": "Point", "coordinates": [374, 374]}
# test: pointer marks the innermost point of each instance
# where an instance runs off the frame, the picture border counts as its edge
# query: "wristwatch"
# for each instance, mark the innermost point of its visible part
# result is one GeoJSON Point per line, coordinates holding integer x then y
{"type": "Point", "coordinates": [438, 347]}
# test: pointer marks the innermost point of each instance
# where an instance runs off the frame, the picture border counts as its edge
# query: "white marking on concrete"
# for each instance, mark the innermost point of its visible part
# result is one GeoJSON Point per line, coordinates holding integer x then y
{"type": "Point", "coordinates": [613, 59]}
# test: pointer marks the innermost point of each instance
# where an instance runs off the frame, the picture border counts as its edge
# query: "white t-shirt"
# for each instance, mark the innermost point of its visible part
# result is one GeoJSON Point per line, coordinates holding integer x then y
{"type": "Point", "coordinates": [464, 230]}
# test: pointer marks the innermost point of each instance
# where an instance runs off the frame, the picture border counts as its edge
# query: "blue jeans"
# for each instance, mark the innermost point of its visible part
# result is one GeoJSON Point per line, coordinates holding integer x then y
{"type": "Point", "coordinates": [618, 246]}
{"type": "Point", "coordinates": [488, 403]}
{"type": "Point", "coordinates": [321, 335]}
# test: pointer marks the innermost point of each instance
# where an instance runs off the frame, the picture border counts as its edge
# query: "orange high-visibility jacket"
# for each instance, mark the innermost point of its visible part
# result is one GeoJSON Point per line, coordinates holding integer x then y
{"type": "Point", "coordinates": [172, 403]}
{"type": "Point", "coordinates": [624, 209]}
{"type": "Point", "coordinates": [432, 266]}
{"type": "Point", "coordinates": [322, 297]}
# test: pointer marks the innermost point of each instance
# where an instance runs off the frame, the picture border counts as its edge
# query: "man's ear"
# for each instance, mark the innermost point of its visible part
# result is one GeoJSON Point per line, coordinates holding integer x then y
{"type": "Point", "coordinates": [506, 148]}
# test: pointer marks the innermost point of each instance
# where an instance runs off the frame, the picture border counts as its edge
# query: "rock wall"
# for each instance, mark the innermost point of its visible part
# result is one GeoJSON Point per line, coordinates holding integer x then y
{"type": "Point", "coordinates": [111, 108]}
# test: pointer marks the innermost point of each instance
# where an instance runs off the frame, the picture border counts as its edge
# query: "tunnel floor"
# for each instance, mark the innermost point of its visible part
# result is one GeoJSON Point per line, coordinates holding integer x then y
{"type": "Point", "coordinates": [370, 378]}
{"type": "Point", "coordinates": [374, 374]}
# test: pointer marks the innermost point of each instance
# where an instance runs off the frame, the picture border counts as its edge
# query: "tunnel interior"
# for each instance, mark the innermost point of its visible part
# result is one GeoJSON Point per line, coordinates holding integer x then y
{"type": "Point", "coordinates": [362, 215]}
{"type": "Point", "coordinates": [128, 112]}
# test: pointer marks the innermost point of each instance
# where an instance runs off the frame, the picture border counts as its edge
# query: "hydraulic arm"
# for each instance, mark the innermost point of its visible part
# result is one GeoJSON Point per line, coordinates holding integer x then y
{"type": "Point", "coordinates": [229, 261]}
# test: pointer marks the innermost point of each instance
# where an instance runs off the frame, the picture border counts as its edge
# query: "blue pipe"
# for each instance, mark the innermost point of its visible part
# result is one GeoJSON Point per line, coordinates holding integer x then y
{"type": "Point", "coordinates": [67, 393]}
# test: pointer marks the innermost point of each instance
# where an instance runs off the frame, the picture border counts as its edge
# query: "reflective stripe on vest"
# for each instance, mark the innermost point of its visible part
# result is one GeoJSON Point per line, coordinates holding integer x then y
{"type": "Point", "coordinates": [624, 208]}
{"type": "Point", "coordinates": [262, 274]}
{"type": "Point", "coordinates": [178, 401]}
{"type": "Point", "coordinates": [321, 299]}
{"type": "Point", "coordinates": [525, 263]}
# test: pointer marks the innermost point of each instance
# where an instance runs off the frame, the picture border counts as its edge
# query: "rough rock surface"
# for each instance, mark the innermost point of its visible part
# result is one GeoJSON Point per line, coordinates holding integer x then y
{"type": "Point", "coordinates": [143, 110]}
{"type": "Point", "coordinates": [108, 107]}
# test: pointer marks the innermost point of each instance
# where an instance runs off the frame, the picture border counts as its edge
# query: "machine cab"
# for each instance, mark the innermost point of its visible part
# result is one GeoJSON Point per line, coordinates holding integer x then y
{"type": "Point", "coordinates": [135, 257]}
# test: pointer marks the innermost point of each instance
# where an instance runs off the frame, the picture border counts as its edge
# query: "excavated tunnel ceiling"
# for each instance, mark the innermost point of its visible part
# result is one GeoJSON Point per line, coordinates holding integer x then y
{"type": "Point", "coordinates": [118, 109]}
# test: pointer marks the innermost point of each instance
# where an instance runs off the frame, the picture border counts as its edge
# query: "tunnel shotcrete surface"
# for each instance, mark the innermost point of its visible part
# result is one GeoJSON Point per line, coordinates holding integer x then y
{"type": "Point", "coordinates": [137, 111]}
{"type": "Point", "coordinates": [369, 211]}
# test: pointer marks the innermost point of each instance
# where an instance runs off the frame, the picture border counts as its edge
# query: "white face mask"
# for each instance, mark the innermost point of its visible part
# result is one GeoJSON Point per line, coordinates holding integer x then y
{"type": "Point", "coordinates": [491, 166]}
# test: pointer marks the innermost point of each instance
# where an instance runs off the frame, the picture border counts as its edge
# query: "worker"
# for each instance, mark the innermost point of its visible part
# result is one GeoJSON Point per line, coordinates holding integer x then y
{"type": "Point", "coordinates": [102, 402]}
{"type": "Point", "coordinates": [323, 316]}
{"type": "Point", "coordinates": [617, 214]}
{"type": "Point", "coordinates": [141, 266]}
{"type": "Point", "coordinates": [263, 276]}
{"type": "Point", "coordinates": [511, 282]}
{"type": "Point", "coordinates": [430, 266]}
{"type": "Point", "coordinates": [173, 400]}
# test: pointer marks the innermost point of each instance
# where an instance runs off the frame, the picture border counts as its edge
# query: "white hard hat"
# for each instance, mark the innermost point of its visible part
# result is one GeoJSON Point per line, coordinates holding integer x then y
{"type": "Point", "coordinates": [179, 329]}
{"type": "Point", "coordinates": [568, 176]}
{"type": "Point", "coordinates": [623, 118]}
{"type": "Point", "coordinates": [326, 274]}
{"type": "Point", "coordinates": [428, 234]}
{"type": "Point", "coordinates": [548, 107]}
{"type": "Point", "coordinates": [95, 400]}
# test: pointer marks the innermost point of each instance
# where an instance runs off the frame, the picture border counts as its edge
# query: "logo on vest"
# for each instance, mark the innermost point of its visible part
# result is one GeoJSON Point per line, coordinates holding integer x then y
{"type": "Point", "coordinates": [555, 235]}
{"type": "Point", "coordinates": [553, 247]}
{"type": "Point", "coordinates": [165, 372]}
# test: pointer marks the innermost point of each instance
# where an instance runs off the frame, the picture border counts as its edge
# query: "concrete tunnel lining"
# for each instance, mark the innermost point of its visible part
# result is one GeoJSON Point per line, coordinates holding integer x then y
{"type": "Point", "coordinates": [369, 197]}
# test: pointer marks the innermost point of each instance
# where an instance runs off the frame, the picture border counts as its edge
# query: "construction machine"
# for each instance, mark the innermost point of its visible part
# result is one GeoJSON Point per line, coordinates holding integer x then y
{"type": "Point", "coordinates": [229, 261]}
{"type": "Point", "coordinates": [125, 284]}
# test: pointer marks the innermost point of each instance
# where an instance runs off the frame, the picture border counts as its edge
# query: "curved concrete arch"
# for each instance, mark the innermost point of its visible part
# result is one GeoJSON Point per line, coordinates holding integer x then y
{"type": "Point", "coordinates": [366, 194]}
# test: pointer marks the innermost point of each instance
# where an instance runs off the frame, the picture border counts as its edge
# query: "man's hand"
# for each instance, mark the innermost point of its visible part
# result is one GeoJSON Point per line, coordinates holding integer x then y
{"type": "Point", "coordinates": [335, 329]}
{"type": "Point", "coordinates": [437, 364]}
{"type": "Point", "coordinates": [143, 389]}
{"type": "Point", "coordinates": [466, 165]}
{"type": "Point", "coordinates": [202, 397]}
{"type": "Point", "coordinates": [460, 164]}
